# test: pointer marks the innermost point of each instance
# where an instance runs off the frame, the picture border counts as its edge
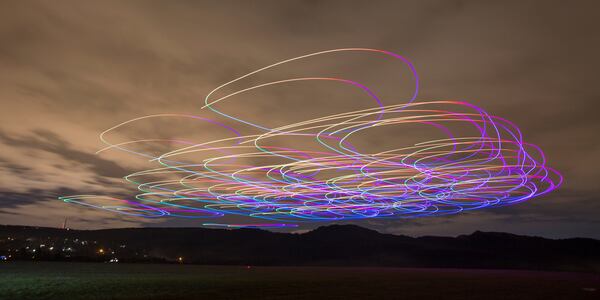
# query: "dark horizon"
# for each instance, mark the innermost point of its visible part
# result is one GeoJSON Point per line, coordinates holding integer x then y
{"type": "Point", "coordinates": [302, 231]}
{"type": "Point", "coordinates": [331, 245]}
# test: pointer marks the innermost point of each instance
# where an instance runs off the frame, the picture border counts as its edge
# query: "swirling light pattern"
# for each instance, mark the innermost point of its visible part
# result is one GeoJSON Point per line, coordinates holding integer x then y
{"type": "Point", "coordinates": [476, 160]}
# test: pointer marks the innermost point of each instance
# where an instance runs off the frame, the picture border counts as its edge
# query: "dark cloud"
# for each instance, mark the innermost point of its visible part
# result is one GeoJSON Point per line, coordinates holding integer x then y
{"type": "Point", "coordinates": [16, 199]}
{"type": "Point", "coordinates": [47, 141]}
{"type": "Point", "coordinates": [16, 169]}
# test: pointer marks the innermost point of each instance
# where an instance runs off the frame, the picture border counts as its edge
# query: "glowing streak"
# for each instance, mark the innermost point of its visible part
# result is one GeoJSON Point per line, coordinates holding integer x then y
{"type": "Point", "coordinates": [470, 160]}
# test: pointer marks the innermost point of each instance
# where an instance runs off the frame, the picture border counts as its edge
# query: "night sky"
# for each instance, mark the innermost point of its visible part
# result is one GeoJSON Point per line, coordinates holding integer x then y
{"type": "Point", "coordinates": [71, 69]}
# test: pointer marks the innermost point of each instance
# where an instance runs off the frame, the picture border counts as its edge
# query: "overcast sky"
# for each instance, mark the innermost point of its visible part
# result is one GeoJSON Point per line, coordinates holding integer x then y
{"type": "Point", "coordinates": [71, 69]}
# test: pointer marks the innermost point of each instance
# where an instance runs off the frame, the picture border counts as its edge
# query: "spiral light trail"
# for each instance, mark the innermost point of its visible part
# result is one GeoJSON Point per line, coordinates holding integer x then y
{"type": "Point", "coordinates": [476, 160]}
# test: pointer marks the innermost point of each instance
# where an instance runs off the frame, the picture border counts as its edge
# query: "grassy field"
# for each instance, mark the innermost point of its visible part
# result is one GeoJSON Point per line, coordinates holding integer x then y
{"type": "Point", "coordinates": [48, 280]}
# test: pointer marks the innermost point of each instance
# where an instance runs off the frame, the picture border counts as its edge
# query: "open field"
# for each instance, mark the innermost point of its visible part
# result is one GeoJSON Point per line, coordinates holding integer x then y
{"type": "Point", "coordinates": [49, 280]}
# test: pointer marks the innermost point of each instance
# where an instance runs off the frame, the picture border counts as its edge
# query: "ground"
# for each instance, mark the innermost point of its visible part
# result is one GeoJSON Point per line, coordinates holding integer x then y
{"type": "Point", "coordinates": [54, 280]}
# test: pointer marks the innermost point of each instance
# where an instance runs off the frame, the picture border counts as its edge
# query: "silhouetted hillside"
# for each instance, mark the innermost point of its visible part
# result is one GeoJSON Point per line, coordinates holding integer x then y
{"type": "Point", "coordinates": [340, 245]}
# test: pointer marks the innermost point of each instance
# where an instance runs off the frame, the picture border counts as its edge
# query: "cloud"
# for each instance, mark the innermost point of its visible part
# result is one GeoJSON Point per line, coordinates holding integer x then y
{"type": "Point", "coordinates": [47, 141]}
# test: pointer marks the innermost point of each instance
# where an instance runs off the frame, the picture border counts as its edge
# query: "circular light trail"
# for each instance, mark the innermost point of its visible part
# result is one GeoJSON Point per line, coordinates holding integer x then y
{"type": "Point", "coordinates": [469, 160]}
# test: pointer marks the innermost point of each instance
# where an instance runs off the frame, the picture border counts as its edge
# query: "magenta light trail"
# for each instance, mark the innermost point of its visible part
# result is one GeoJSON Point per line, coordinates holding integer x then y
{"type": "Point", "coordinates": [474, 160]}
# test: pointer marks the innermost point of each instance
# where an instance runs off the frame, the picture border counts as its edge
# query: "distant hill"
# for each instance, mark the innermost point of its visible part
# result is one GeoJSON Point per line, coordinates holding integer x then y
{"type": "Point", "coordinates": [334, 245]}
